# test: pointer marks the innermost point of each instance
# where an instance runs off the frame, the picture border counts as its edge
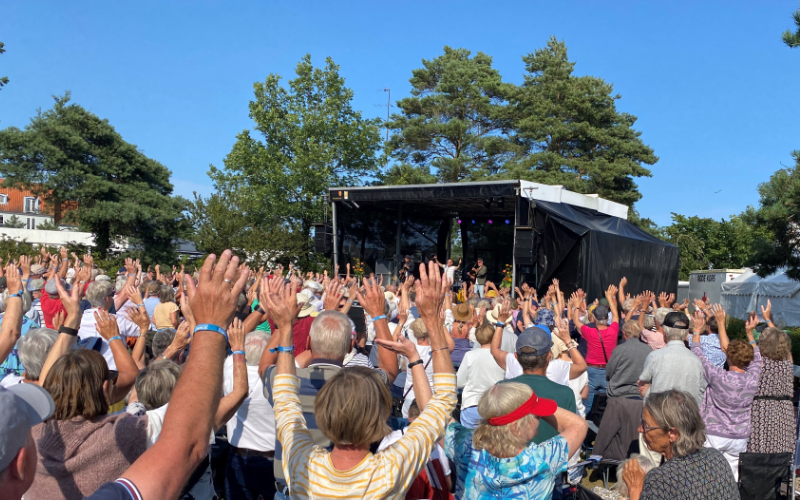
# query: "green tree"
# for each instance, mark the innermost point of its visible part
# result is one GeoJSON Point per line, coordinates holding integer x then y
{"type": "Point", "coordinates": [3, 79]}
{"type": "Point", "coordinates": [407, 174]}
{"type": "Point", "coordinates": [793, 39]}
{"type": "Point", "coordinates": [710, 244]}
{"type": "Point", "coordinates": [779, 216]}
{"type": "Point", "coordinates": [14, 222]}
{"type": "Point", "coordinates": [311, 139]}
{"type": "Point", "coordinates": [78, 162]}
{"type": "Point", "coordinates": [47, 226]}
{"type": "Point", "coordinates": [572, 133]}
{"type": "Point", "coordinates": [455, 120]}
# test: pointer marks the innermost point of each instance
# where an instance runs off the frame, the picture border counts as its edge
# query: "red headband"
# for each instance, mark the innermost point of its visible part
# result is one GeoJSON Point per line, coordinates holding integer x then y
{"type": "Point", "coordinates": [533, 406]}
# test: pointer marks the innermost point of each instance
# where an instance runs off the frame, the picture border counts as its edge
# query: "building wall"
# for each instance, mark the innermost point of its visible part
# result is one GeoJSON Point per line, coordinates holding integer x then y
{"type": "Point", "coordinates": [53, 238]}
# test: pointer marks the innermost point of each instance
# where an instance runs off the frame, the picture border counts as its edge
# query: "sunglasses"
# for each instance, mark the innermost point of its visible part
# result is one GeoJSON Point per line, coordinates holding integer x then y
{"type": "Point", "coordinates": [113, 375]}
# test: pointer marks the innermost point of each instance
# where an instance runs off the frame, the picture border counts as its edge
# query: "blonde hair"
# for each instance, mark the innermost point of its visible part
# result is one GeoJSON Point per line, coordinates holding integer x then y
{"type": "Point", "coordinates": [484, 333]}
{"type": "Point", "coordinates": [353, 406]}
{"type": "Point", "coordinates": [419, 330]}
{"type": "Point", "coordinates": [632, 329]}
{"type": "Point", "coordinates": [502, 441]}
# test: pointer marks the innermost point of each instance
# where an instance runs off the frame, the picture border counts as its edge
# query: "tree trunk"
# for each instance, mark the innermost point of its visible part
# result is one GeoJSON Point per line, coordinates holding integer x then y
{"type": "Point", "coordinates": [102, 241]}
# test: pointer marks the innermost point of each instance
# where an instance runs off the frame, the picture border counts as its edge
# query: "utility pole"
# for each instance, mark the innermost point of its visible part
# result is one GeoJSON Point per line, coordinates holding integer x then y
{"type": "Point", "coordinates": [388, 106]}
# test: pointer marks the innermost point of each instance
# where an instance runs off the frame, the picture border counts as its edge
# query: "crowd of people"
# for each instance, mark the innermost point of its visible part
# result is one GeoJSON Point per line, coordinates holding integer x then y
{"type": "Point", "coordinates": [244, 384]}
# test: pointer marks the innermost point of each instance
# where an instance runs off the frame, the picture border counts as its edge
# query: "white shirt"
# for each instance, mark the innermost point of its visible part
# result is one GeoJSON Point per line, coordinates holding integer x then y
{"type": "Point", "coordinates": [436, 454]}
{"type": "Point", "coordinates": [253, 425]}
{"type": "Point", "coordinates": [90, 339]}
{"type": "Point", "coordinates": [577, 385]}
{"type": "Point", "coordinates": [11, 379]}
{"type": "Point", "coordinates": [477, 373]}
{"type": "Point", "coordinates": [450, 272]}
{"type": "Point", "coordinates": [557, 370]}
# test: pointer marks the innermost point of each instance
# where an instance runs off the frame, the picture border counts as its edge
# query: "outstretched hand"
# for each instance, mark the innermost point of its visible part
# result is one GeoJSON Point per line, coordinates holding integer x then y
{"type": "Point", "coordinates": [372, 300]}
{"type": "Point", "coordinates": [213, 300]}
{"type": "Point", "coordinates": [279, 300]}
{"type": "Point", "coordinates": [106, 324]}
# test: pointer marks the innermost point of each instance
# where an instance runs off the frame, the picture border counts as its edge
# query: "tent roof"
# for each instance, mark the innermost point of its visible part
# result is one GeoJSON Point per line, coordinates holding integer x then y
{"type": "Point", "coordinates": [776, 284]}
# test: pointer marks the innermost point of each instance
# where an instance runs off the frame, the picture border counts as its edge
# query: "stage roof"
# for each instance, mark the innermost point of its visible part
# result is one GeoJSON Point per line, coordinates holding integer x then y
{"type": "Point", "coordinates": [469, 197]}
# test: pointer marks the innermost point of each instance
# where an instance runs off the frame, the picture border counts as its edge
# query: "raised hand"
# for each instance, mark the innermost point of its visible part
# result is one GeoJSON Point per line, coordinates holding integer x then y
{"type": "Point", "coordinates": [106, 324]}
{"type": "Point", "coordinates": [213, 300]}
{"type": "Point", "coordinates": [280, 301]}
{"type": "Point", "coordinates": [236, 335]}
{"type": "Point", "coordinates": [14, 283]}
{"type": "Point", "coordinates": [766, 313]}
{"type": "Point", "coordinates": [129, 267]}
{"type": "Point", "coordinates": [699, 322]}
{"type": "Point", "coordinates": [333, 295]}
{"type": "Point", "coordinates": [372, 300]}
{"type": "Point", "coordinates": [505, 311]}
{"type": "Point", "coordinates": [139, 316]}
{"type": "Point", "coordinates": [718, 313]}
{"type": "Point", "coordinates": [751, 323]}
{"type": "Point", "coordinates": [431, 290]}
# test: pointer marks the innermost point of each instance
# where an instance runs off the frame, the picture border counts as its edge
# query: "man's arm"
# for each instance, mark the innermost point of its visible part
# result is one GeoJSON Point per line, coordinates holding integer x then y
{"type": "Point", "coordinates": [230, 403]}
{"type": "Point", "coordinates": [162, 471]}
{"type": "Point", "coordinates": [11, 327]}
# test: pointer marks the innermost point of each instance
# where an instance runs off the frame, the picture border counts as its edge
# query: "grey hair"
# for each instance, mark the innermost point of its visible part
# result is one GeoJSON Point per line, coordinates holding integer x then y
{"type": "Point", "coordinates": [154, 384]}
{"type": "Point", "coordinates": [119, 283]}
{"type": "Point", "coordinates": [161, 340]}
{"type": "Point", "coordinates": [166, 294]}
{"type": "Point", "coordinates": [627, 304]}
{"type": "Point", "coordinates": [661, 313]}
{"type": "Point", "coordinates": [26, 300]}
{"type": "Point", "coordinates": [387, 308]}
{"type": "Point", "coordinates": [678, 410]}
{"type": "Point", "coordinates": [97, 291]}
{"type": "Point", "coordinates": [331, 335]}
{"type": "Point", "coordinates": [621, 487]}
{"type": "Point", "coordinates": [472, 301]}
{"type": "Point", "coordinates": [671, 334]}
{"type": "Point", "coordinates": [242, 300]}
{"type": "Point", "coordinates": [484, 304]}
{"type": "Point", "coordinates": [649, 322]}
{"type": "Point", "coordinates": [33, 348]}
{"type": "Point", "coordinates": [254, 344]}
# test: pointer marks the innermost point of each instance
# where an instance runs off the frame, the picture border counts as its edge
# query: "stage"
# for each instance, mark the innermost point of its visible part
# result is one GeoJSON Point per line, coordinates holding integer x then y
{"type": "Point", "coordinates": [542, 232]}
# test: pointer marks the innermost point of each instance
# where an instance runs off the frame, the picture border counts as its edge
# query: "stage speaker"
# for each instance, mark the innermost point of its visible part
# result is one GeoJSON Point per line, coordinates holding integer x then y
{"type": "Point", "coordinates": [323, 238]}
{"type": "Point", "coordinates": [524, 254]}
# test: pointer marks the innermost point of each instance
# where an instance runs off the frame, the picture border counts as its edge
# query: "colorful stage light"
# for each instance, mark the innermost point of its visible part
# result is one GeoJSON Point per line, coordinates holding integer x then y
{"type": "Point", "coordinates": [459, 221]}
{"type": "Point", "coordinates": [490, 221]}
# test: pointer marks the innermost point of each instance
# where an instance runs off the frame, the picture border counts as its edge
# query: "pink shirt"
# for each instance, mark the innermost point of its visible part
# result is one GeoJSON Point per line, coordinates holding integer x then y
{"type": "Point", "coordinates": [594, 353]}
{"type": "Point", "coordinates": [653, 339]}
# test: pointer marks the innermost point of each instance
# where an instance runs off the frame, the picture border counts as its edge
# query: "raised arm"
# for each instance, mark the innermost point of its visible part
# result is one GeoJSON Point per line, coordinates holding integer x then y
{"type": "Point", "coordinates": [162, 471]}
{"type": "Point", "coordinates": [719, 314]}
{"type": "Point", "coordinates": [431, 291]}
{"type": "Point", "coordinates": [498, 354]}
{"type": "Point", "coordinates": [767, 313]}
{"type": "Point", "coordinates": [138, 315]}
{"type": "Point", "coordinates": [621, 293]}
{"type": "Point", "coordinates": [578, 362]}
{"type": "Point", "coordinates": [570, 426]}
{"type": "Point", "coordinates": [611, 296]}
{"type": "Point", "coordinates": [422, 388]}
{"type": "Point", "coordinates": [373, 302]}
{"type": "Point", "coordinates": [108, 329]}
{"type": "Point", "coordinates": [11, 327]}
{"type": "Point", "coordinates": [230, 403]}
{"type": "Point", "coordinates": [130, 281]}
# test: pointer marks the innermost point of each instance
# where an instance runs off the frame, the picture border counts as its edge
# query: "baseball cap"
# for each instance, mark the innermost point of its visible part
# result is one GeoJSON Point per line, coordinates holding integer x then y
{"type": "Point", "coordinates": [36, 284]}
{"type": "Point", "coordinates": [50, 286]}
{"type": "Point", "coordinates": [37, 269]}
{"type": "Point", "coordinates": [24, 405]}
{"type": "Point", "coordinates": [676, 320]}
{"type": "Point", "coordinates": [102, 277]}
{"type": "Point", "coordinates": [535, 338]}
{"type": "Point", "coordinates": [122, 270]}
{"type": "Point", "coordinates": [600, 311]}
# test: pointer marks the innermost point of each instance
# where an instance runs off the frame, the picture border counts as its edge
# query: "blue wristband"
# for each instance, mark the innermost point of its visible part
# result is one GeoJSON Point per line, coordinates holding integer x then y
{"type": "Point", "coordinates": [115, 337]}
{"type": "Point", "coordinates": [18, 294]}
{"type": "Point", "coordinates": [282, 349]}
{"type": "Point", "coordinates": [239, 352]}
{"type": "Point", "coordinates": [376, 318]}
{"type": "Point", "coordinates": [211, 328]}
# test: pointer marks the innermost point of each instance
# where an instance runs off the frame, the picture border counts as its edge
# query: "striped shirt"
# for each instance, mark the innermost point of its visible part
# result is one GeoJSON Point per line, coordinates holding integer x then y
{"type": "Point", "coordinates": [385, 475]}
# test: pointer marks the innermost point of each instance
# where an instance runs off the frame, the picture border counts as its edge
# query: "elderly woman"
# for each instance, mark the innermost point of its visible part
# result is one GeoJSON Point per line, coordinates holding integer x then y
{"type": "Point", "coordinates": [352, 407]}
{"type": "Point", "coordinates": [772, 414]}
{"type": "Point", "coordinates": [672, 426]}
{"type": "Point", "coordinates": [729, 395]}
{"type": "Point", "coordinates": [165, 314]}
{"type": "Point", "coordinates": [32, 350]}
{"type": "Point", "coordinates": [499, 459]}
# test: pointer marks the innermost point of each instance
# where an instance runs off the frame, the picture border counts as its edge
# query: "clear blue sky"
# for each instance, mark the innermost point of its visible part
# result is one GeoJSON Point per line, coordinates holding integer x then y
{"type": "Point", "coordinates": [715, 90]}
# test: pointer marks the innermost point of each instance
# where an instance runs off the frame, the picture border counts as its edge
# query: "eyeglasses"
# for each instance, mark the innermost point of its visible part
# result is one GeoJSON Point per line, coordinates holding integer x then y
{"type": "Point", "coordinates": [646, 428]}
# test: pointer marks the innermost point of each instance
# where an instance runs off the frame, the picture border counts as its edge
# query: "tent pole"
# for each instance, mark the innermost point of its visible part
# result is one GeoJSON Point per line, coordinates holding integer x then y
{"type": "Point", "coordinates": [335, 238]}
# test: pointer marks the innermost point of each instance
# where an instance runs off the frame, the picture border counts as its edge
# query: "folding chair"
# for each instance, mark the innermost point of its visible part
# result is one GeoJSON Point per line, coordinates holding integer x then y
{"type": "Point", "coordinates": [761, 476]}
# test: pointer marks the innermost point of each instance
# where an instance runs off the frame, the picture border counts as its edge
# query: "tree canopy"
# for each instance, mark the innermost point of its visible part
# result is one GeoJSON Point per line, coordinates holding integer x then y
{"type": "Point", "coordinates": [77, 161]}
{"type": "Point", "coordinates": [3, 79]}
{"type": "Point", "coordinates": [311, 138]}
{"type": "Point", "coordinates": [455, 119]}
{"type": "Point", "coordinates": [793, 39]}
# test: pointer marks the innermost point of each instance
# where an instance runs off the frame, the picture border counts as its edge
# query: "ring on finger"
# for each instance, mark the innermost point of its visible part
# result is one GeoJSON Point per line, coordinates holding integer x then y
{"type": "Point", "coordinates": [226, 280]}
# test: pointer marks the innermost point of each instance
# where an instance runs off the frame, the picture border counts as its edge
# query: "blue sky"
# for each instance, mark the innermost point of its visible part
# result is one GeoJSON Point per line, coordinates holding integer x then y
{"type": "Point", "coordinates": [715, 90]}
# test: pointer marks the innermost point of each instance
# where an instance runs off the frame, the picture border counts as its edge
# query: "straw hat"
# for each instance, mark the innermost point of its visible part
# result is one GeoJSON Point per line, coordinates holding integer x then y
{"type": "Point", "coordinates": [462, 313]}
{"type": "Point", "coordinates": [306, 308]}
{"type": "Point", "coordinates": [491, 316]}
{"type": "Point", "coordinates": [390, 296]}
{"type": "Point", "coordinates": [558, 346]}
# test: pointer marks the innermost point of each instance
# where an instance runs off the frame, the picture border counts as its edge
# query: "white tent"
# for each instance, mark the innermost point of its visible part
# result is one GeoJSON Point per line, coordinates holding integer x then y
{"type": "Point", "coordinates": [748, 293]}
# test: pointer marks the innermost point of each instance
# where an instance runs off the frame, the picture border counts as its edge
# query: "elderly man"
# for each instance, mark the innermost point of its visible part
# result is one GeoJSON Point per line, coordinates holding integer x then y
{"type": "Point", "coordinates": [100, 295]}
{"type": "Point", "coordinates": [32, 350]}
{"type": "Point", "coordinates": [627, 362]}
{"type": "Point", "coordinates": [480, 277]}
{"type": "Point", "coordinates": [673, 367]}
{"type": "Point", "coordinates": [251, 432]}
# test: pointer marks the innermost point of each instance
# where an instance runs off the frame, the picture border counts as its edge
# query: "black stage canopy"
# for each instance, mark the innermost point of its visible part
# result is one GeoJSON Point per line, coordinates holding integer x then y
{"type": "Point", "coordinates": [582, 247]}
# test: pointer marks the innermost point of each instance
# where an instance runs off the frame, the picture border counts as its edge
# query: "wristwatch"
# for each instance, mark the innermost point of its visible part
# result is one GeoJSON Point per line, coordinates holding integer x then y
{"type": "Point", "coordinates": [500, 324]}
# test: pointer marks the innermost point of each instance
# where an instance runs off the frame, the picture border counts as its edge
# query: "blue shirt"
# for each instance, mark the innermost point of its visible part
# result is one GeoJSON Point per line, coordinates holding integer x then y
{"type": "Point", "coordinates": [12, 364]}
{"type": "Point", "coordinates": [529, 475]}
{"type": "Point", "coordinates": [712, 350]}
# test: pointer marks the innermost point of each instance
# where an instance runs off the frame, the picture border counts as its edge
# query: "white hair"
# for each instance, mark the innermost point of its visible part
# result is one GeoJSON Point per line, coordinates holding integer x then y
{"type": "Point", "coordinates": [97, 292]}
{"type": "Point", "coordinates": [254, 344]}
{"type": "Point", "coordinates": [119, 284]}
{"type": "Point", "coordinates": [26, 300]}
{"type": "Point", "coordinates": [33, 348]}
{"type": "Point", "coordinates": [331, 335]}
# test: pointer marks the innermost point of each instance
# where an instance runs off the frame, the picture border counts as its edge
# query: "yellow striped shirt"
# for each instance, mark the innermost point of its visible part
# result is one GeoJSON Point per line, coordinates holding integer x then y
{"type": "Point", "coordinates": [385, 475]}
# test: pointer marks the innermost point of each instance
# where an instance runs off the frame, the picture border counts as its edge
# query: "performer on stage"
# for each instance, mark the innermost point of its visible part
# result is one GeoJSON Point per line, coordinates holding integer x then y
{"type": "Point", "coordinates": [479, 272]}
